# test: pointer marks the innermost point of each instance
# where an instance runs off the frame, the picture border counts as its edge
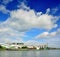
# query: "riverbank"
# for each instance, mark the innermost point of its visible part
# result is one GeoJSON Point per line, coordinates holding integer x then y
{"type": "Point", "coordinates": [27, 49]}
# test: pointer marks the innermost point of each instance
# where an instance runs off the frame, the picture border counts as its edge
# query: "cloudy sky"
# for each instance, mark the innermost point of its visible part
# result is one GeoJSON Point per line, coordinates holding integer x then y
{"type": "Point", "coordinates": [30, 21]}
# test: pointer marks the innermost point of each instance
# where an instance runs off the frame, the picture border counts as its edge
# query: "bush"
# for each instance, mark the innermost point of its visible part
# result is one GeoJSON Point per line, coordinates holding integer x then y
{"type": "Point", "coordinates": [24, 47]}
{"type": "Point", "coordinates": [1, 46]}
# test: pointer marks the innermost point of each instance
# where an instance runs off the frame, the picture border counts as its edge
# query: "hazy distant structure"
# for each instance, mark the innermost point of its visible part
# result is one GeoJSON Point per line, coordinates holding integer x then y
{"type": "Point", "coordinates": [22, 45]}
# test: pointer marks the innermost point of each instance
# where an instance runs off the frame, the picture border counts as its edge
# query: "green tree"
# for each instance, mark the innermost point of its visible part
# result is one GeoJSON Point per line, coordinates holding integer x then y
{"type": "Point", "coordinates": [1, 46]}
{"type": "Point", "coordinates": [24, 47]}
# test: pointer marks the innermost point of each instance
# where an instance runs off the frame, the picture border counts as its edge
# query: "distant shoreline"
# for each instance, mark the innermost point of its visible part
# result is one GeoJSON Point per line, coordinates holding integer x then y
{"type": "Point", "coordinates": [28, 49]}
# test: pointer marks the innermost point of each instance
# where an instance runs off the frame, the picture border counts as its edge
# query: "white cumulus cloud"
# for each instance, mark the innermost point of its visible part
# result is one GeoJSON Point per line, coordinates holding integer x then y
{"type": "Point", "coordinates": [3, 9]}
{"type": "Point", "coordinates": [55, 34]}
{"type": "Point", "coordinates": [21, 20]}
{"type": "Point", "coordinates": [6, 1]}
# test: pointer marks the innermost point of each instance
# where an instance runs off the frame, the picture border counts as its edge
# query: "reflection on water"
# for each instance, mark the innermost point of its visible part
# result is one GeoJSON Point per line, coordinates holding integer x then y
{"type": "Point", "coordinates": [42, 53]}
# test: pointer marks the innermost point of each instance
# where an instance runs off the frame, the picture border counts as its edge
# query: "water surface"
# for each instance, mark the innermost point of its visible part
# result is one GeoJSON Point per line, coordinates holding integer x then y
{"type": "Point", "coordinates": [41, 53]}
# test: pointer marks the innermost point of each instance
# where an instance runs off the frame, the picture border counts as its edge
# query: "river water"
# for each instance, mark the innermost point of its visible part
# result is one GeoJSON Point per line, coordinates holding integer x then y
{"type": "Point", "coordinates": [41, 53]}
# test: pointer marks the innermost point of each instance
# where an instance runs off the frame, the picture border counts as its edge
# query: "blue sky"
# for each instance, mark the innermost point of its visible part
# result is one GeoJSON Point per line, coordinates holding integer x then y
{"type": "Point", "coordinates": [30, 21]}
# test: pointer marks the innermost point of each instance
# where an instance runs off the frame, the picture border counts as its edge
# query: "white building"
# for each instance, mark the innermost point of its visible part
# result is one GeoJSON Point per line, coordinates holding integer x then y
{"type": "Point", "coordinates": [20, 45]}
